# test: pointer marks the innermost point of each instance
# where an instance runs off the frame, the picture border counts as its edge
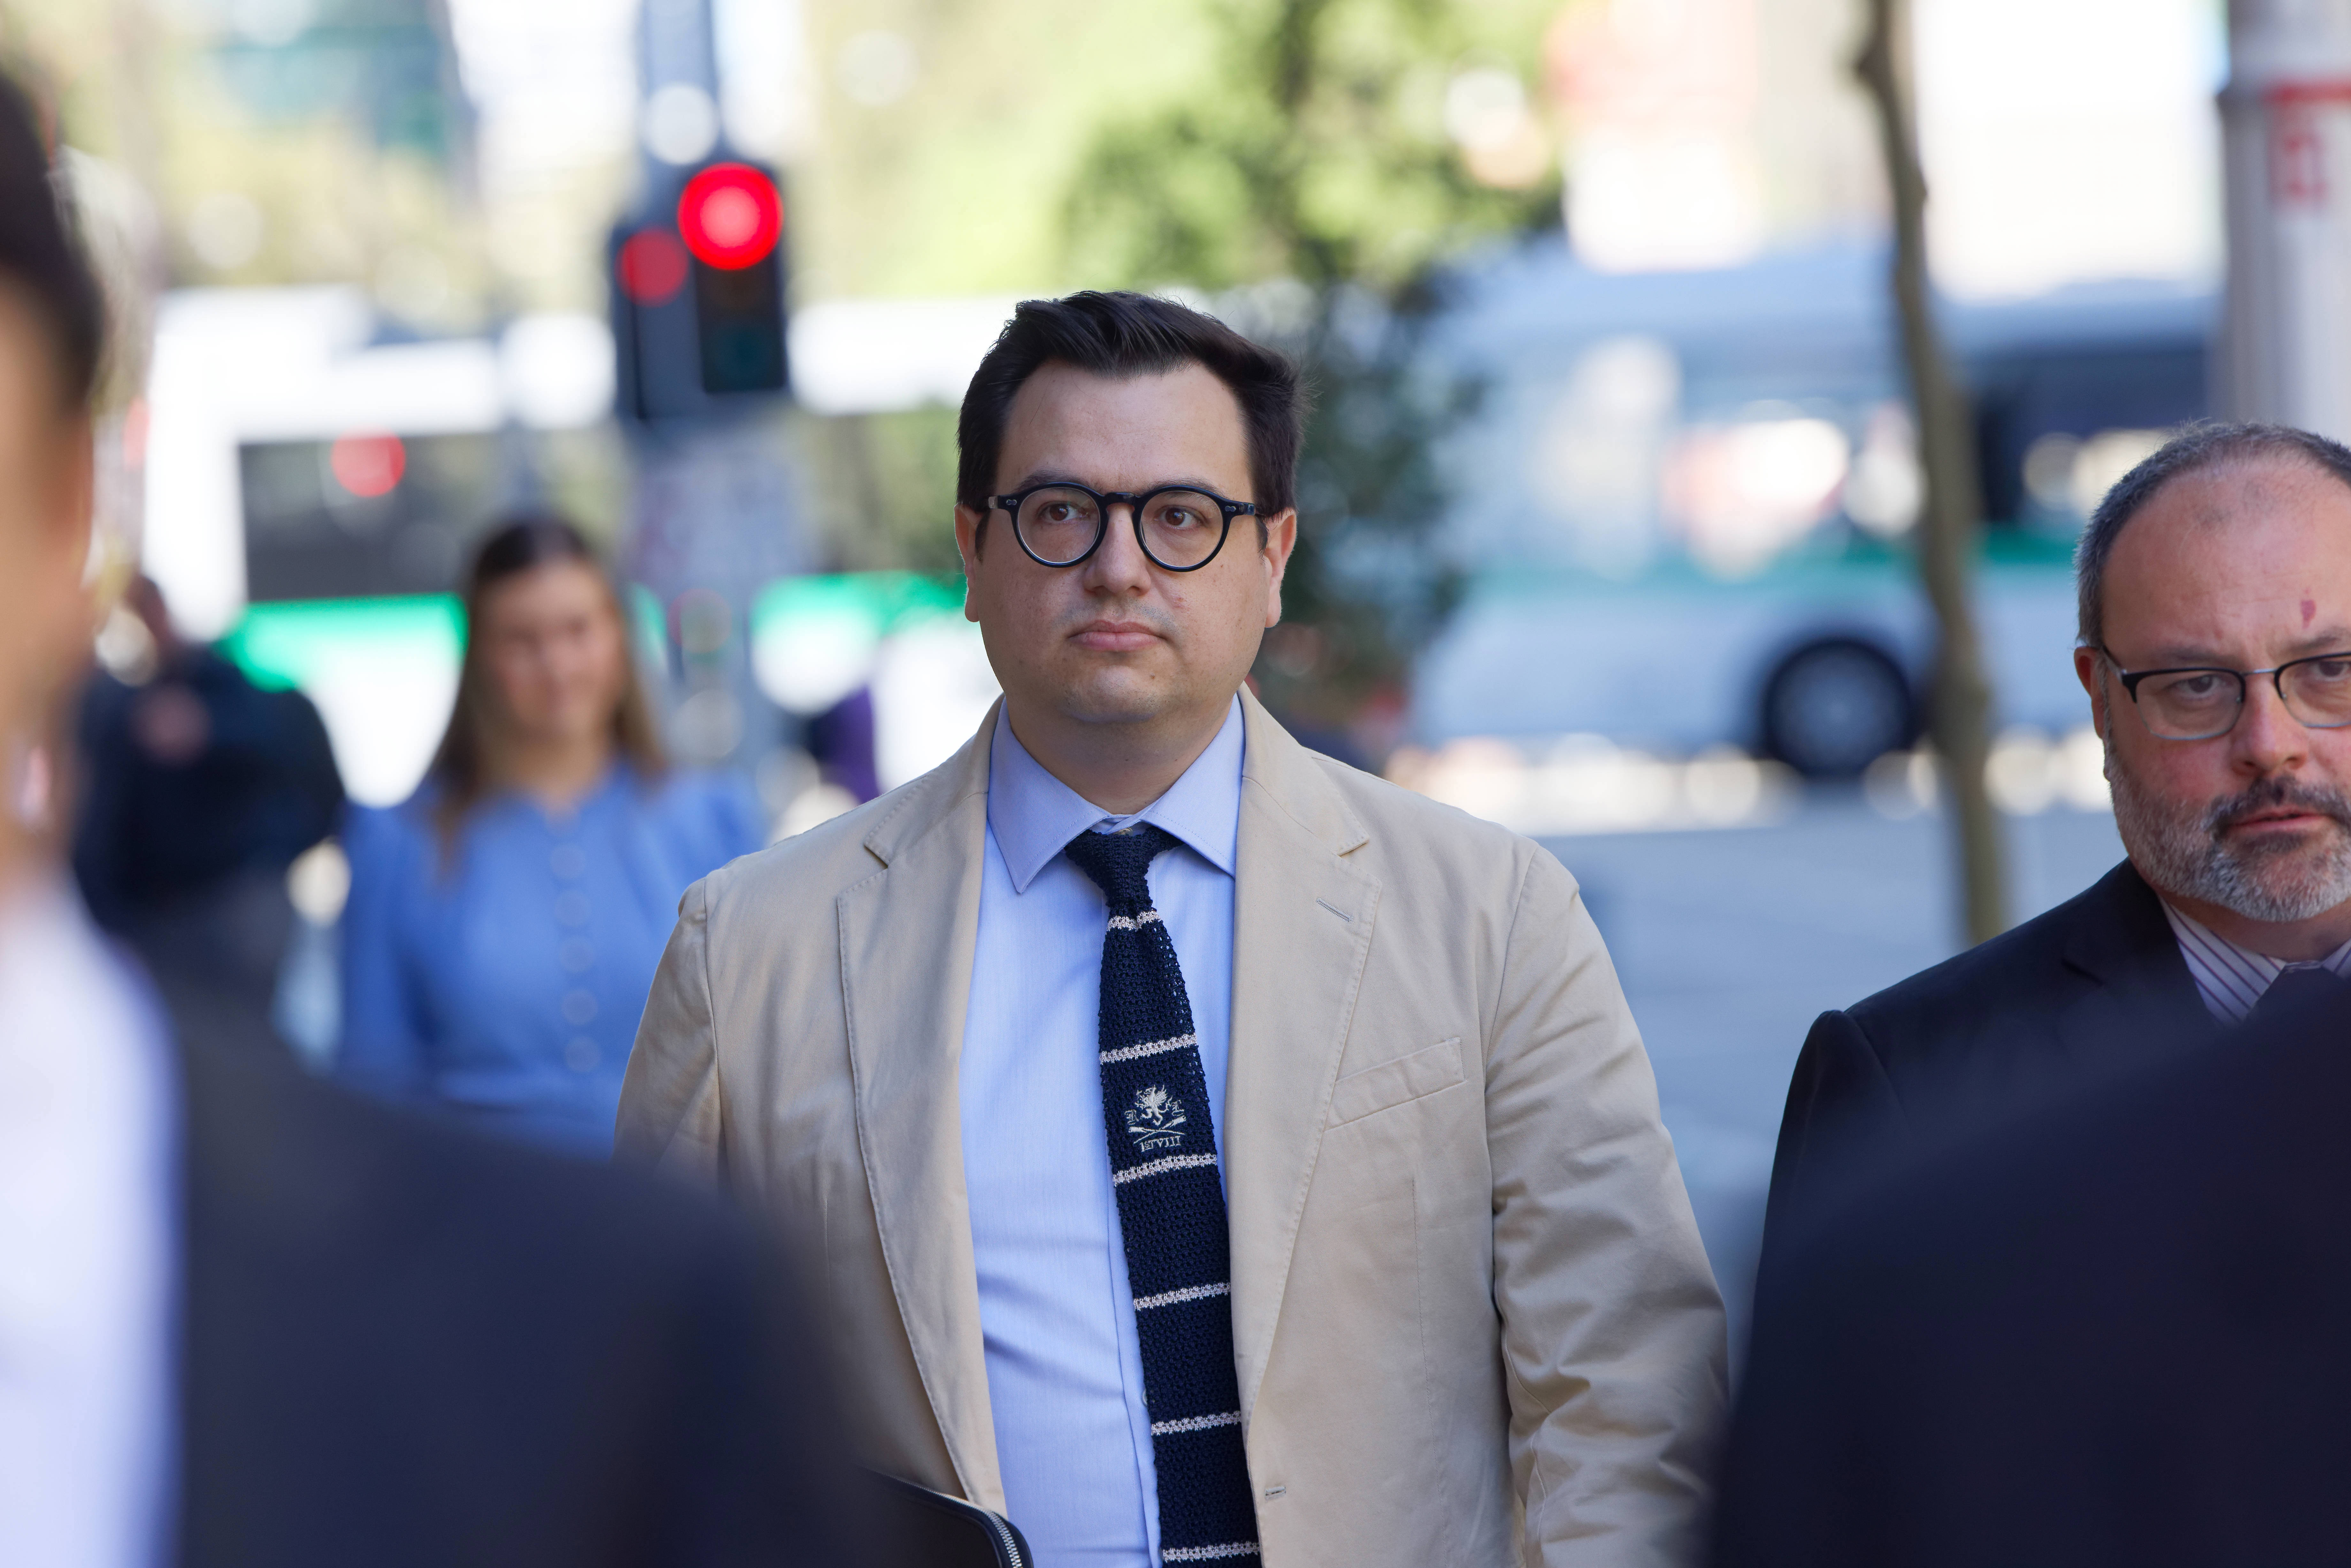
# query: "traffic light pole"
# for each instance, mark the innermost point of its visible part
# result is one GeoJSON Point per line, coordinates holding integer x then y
{"type": "Point", "coordinates": [698, 322]}
{"type": "Point", "coordinates": [676, 46]}
{"type": "Point", "coordinates": [715, 520]}
{"type": "Point", "coordinates": [2286, 134]}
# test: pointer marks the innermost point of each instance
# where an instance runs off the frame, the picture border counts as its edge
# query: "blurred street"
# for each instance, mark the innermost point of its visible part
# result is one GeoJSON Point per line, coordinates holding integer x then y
{"type": "Point", "coordinates": [1731, 942]}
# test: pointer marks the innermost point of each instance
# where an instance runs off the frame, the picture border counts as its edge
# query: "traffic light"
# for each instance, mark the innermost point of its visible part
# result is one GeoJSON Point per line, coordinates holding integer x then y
{"type": "Point", "coordinates": [698, 296]}
{"type": "Point", "coordinates": [732, 220]}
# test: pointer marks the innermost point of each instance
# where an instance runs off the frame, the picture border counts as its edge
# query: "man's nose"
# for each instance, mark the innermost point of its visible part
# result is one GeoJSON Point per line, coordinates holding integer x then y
{"type": "Point", "coordinates": [1119, 566]}
{"type": "Point", "coordinates": [2268, 738]}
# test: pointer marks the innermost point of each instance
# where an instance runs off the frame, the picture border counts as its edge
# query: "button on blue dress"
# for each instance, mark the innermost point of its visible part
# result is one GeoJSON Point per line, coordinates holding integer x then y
{"type": "Point", "coordinates": [504, 980]}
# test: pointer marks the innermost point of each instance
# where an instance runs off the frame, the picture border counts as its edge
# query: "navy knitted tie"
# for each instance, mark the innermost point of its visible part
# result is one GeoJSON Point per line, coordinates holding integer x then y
{"type": "Point", "coordinates": [1171, 1210]}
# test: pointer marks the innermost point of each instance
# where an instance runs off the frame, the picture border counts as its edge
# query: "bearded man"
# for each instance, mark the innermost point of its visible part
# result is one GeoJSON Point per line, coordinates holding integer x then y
{"type": "Point", "coordinates": [2215, 589]}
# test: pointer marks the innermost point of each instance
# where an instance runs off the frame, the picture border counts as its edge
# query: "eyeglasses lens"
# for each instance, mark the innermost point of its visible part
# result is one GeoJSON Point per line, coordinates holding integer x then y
{"type": "Point", "coordinates": [1059, 526]}
{"type": "Point", "coordinates": [1181, 528]}
{"type": "Point", "coordinates": [2318, 692]}
{"type": "Point", "coordinates": [2189, 705]}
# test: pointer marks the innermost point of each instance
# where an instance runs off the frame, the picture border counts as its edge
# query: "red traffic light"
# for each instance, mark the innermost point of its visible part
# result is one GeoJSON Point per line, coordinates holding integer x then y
{"type": "Point", "coordinates": [731, 215]}
{"type": "Point", "coordinates": [368, 463]}
{"type": "Point", "coordinates": [653, 266]}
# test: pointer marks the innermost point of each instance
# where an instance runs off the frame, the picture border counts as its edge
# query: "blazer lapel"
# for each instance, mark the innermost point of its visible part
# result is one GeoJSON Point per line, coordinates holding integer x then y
{"type": "Point", "coordinates": [2145, 1002]}
{"type": "Point", "coordinates": [1302, 921]}
{"type": "Point", "coordinates": [907, 935]}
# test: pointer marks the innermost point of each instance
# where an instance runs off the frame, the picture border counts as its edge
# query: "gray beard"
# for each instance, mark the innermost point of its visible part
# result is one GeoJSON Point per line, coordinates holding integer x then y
{"type": "Point", "coordinates": [2181, 849]}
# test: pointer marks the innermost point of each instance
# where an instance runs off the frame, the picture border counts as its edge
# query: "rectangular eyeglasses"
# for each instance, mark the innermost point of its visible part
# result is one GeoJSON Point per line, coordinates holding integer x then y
{"type": "Point", "coordinates": [2201, 702]}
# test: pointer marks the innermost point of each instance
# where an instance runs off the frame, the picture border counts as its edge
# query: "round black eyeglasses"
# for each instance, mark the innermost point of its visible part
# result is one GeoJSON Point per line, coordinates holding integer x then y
{"type": "Point", "coordinates": [1180, 527]}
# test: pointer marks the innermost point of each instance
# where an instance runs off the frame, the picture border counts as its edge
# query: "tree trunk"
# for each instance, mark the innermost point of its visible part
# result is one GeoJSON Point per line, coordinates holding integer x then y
{"type": "Point", "coordinates": [1961, 699]}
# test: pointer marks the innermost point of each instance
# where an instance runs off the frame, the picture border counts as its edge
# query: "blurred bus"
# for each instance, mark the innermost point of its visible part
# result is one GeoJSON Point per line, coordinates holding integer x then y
{"type": "Point", "coordinates": [1684, 508]}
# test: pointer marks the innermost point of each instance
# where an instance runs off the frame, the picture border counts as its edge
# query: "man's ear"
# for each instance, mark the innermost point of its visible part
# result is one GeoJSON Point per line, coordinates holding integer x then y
{"type": "Point", "coordinates": [71, 518]}
{"type": "Point", "coordinates": [969, 527]}
{"type": "Point", "coordinates": [1280, 540]}
{"type": "Point", "coordinates": [2089, 668]}
{"type": "Point", "coordinates": [79, 504]}
{"type": "Point", "coordinates": [60, 607]}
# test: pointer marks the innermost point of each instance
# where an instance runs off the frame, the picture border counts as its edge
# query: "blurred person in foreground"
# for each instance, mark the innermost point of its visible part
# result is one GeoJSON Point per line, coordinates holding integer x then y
{"type": "Point", "coordinates": [198, 790]}
{"type": "Point", "coordinates": [1218, 1154]}
{"type": "Point", "coordinates": [2111, 1335]}
{"type": "Point", "coordinates": [503, 923]}
{"type": "Point", "coordinates": [250, 1322]}
{"type": "Point", "coordinates": [2215, 645]}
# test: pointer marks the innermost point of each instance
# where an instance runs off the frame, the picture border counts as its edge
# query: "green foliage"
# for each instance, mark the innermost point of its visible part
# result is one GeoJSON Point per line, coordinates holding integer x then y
{"type": "Point", "coordinates": [1316, 151]}
{"type": "Point", "coordinates": [956, 187]}
{"type": "Point", "coordinates": [1367, 585]}
{"type": "Point", "coordinates": [1313, 184]}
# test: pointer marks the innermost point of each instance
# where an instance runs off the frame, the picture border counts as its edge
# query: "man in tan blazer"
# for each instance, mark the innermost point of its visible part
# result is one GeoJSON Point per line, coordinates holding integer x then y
{"type": "Point", "coordinates": [1336, 1224]}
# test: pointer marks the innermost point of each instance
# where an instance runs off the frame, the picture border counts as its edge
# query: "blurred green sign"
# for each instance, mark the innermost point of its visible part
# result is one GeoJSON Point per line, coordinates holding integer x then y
{"type": "Point", "coordinates": [287, 643]}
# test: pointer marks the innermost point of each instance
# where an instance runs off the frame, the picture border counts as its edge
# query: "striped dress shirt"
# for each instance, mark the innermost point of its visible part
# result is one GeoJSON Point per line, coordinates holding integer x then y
{"type": "Point", "coordinates": [2231, 978]}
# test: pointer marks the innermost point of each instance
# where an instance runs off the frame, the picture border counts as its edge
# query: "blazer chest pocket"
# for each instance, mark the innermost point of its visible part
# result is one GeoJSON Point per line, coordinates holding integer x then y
{"type": "Point", "coordinates": [1391, 1084]}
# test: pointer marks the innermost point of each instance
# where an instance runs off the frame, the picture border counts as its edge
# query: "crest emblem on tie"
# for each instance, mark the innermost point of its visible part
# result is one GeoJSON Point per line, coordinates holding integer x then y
{"type": "Point", "coordinates": [1154, 1120]}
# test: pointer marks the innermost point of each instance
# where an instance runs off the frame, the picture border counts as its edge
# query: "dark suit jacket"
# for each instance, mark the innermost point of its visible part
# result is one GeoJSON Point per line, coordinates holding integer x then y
{"type": "Point", "coordinates": [2094, 987]}
{"type": "Point", "coordinates": [2116, 1332]}
{"type": "Point", "coordinates": [404, 1344]}
{"type": "Point", "coordinates": [262, 789]}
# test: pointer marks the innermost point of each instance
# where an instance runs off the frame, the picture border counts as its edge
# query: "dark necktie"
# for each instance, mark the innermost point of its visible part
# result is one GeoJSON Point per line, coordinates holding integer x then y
{"type": "Point", "coordinates": [1171, 1210]}
{"type": "Point", "coordinates": [2297, 984]}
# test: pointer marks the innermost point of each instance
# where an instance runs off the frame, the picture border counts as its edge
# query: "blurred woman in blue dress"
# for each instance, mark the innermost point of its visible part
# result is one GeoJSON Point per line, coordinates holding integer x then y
{"type": "Point", "coordinates": [503, 923]}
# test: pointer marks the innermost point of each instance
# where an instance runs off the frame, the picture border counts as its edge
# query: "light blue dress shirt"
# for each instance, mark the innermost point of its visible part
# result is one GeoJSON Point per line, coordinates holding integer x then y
{"type": "Point", "coordinates": [1064, 1370]}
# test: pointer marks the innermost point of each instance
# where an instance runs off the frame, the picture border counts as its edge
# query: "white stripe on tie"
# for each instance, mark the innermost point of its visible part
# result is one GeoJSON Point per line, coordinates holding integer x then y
{"type": "Point", "coordinates": [1209, 1553]}
{"type": "Point", "coordinates": [1188, 1293]}
{"type": "Point", "coordinates": [1165, 1163]}
{"type": "Point", "coordinates": [1134, 922]}
{"type": "Point", "coordinates": [1148, 1048]}
{"type": "Point", "coordinates": [1196, 1424]}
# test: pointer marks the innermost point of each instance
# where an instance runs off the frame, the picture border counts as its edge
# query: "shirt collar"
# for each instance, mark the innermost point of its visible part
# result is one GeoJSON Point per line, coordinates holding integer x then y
{"type": "Point", "coordinates": [2229, 978]}
{"type": "Point", "coordinates": [1034, 814]}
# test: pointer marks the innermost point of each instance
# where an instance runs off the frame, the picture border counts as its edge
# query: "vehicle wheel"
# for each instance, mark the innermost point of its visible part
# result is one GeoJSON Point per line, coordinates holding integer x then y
{"type": "Point", "coordinates": [1833, 707]}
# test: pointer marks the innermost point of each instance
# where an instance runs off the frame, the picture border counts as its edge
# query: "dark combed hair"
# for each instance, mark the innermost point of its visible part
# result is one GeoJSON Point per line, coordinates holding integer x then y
{"type": "Point", "coordinates": [40, 257]}
{"type": "Point", "coordinates": [2197, 449]}
{"type": "Point", "coordinates": [1121, 335]}
{"type": "Point", "coordinates": [461, 769]}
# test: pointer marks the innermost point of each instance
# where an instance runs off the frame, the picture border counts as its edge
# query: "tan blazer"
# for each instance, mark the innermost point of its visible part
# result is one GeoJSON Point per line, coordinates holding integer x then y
{"type": "Point", "coordinates": [1473, 1321]}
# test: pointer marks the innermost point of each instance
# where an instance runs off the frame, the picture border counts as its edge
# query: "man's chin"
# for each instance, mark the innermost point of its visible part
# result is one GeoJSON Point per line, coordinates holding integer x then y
{"type": "Point", "coordinates": [1118, 696]}
{"type": "Point", "coordinates": [2281, 877]}
{"type": "Point", "coordinates": [2289, 900]}
{"type": "Point", "coordinates": [1137, 691]}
